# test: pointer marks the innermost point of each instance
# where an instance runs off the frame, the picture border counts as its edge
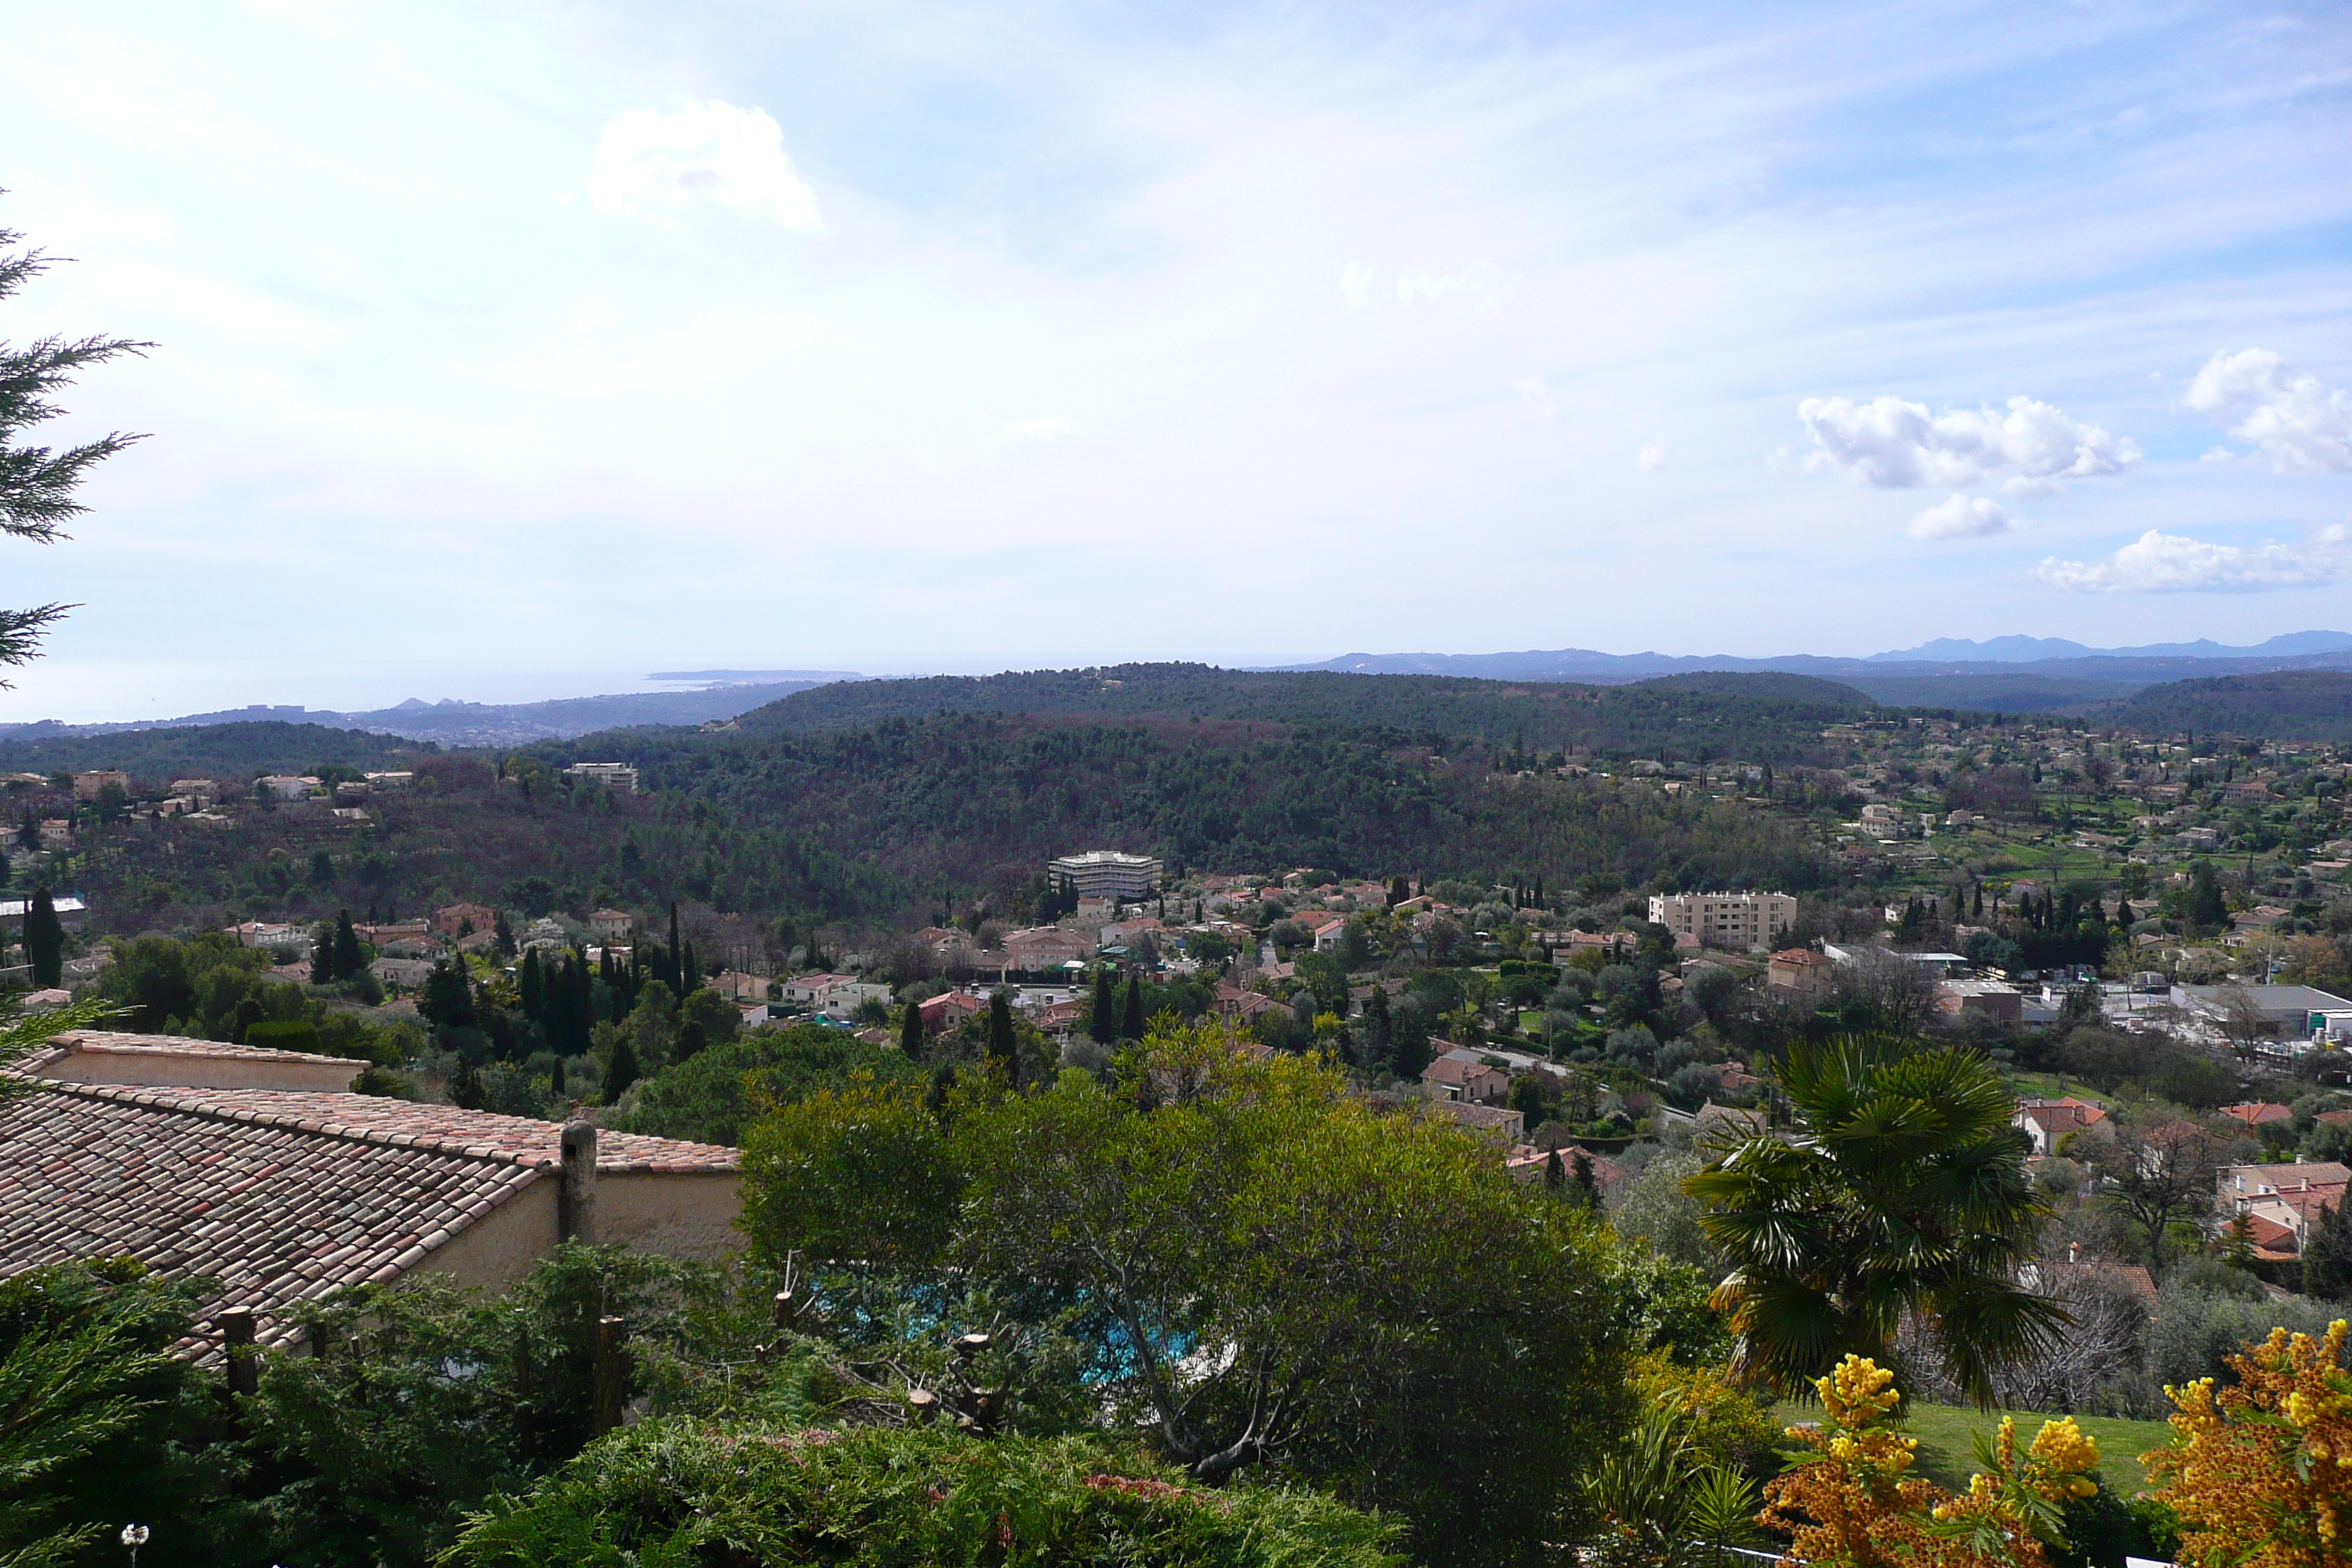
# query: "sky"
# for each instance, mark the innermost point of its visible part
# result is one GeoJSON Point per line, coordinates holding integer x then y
{"type": "Point", "coordinates": [517, 351]}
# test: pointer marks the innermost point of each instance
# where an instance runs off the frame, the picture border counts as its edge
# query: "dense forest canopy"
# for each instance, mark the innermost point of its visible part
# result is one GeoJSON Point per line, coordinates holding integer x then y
{"type": "Point", "coordinates": [1755, 717]}
{"type": "Point", "coordinates": [873, 825]}
{"type": "Point", "coordinates": [2284, 705]}
{"type": "Point", "coordinates": [231, 751]}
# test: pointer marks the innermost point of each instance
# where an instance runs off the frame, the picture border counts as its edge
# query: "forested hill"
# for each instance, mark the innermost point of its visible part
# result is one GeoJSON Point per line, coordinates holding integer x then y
{"type": "Point", "coordinates": [880, 827]}
{"type": "Point", "coordinates": [239, 750]}
{"type": "Point", "coordinates": [1758, 717]}
{"type": "Point", "coordinates": [978, 802]}
{"type": "Point", "coordinates": [2282, 705]}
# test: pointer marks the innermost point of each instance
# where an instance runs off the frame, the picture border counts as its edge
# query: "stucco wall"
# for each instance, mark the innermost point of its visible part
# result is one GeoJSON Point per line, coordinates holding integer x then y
{"type": "Point", "coordinates": [499, 1248]}
{"type": "Point", "coordinates": [676, 1215]}
{"type": "Point", "coordinates": [163, 1069]}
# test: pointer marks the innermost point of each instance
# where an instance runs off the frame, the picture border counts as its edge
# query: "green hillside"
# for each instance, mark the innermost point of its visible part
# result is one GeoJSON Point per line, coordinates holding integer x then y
{"type": "Point", "coordinates": [2282, 705]}
{"type": "Point", "coordinates": [1760, 717]}
{"type": "Point", "coordinates": [239, 749]}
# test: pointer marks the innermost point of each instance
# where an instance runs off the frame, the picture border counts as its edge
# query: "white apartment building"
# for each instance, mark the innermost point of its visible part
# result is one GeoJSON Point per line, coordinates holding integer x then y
{"type": "Point", "coordinates": [1727, 920]}
{"type": "Point", "coordinates": [1105, 874]}
{"type": "Point", "coordinates": [618, 777]}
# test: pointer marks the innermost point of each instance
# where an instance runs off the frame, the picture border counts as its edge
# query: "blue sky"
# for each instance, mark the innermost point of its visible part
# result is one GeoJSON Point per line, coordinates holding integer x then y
{"type": "Point", "coordinates": [515, 351]}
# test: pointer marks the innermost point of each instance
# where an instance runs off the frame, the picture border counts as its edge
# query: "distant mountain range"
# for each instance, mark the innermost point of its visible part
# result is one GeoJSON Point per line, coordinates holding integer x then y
{"type": "Point", "coordinates": [2011, 674]}
{"type": "Point", "coordinates": [2014, 674]}
{"type": "Point", "coordinates": [454, 723]}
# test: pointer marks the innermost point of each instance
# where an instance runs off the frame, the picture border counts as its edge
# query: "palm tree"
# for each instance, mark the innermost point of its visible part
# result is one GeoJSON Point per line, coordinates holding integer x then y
{"type": "Point", "coordinates": [1904, 1193]}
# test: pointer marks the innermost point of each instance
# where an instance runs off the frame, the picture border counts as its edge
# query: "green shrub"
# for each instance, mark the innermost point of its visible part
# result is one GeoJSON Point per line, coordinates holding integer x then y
{"type": "Point", "coordinates": [680, 1492]}
{"type": "Point", "coordinates": [283, 1035]}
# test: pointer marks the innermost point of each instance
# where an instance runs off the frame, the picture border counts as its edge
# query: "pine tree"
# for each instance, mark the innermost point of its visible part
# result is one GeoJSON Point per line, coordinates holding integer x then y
{"type": "Point", "coordinates": [1102, 1026]}
{"type": "Point", "coordinates": [37, 484]}
{"type": "Point", "coordinates": [691, 1038]}
{"type": "Point", "coordinates": [911, 1032]}
{"type": "Point", "coordinates": [1132, 1025]}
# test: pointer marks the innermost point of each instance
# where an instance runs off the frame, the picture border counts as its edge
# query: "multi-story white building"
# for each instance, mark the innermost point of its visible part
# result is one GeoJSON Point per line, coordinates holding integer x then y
{"type": "Point", "coordinates": [1727, 920]}
{"type": "Point", "coordinates": [618, 777]}
{"type": "Point", "coordinates": [1105, 874]}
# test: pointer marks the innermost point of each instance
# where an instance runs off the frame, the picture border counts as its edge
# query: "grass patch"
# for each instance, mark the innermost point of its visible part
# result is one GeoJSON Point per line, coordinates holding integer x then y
{"type": "Point", "coordinates": [1947, 1456]}
{"type": "Point", "coordinates": [2055, 1086]}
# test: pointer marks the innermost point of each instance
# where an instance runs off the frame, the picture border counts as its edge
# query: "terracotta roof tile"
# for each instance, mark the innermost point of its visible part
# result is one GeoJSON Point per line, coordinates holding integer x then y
{"type": "Point", "coordinates": [280, 1195]}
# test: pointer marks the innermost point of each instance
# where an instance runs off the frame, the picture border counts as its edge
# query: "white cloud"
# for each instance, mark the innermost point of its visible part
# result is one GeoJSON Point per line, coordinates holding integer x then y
{"type": "Point", "coordinates": [1962, 517]}
{"type": "Point", "coordinates": [1479, 282]}
{"type": "Point", "coordinates": [2302, 425]}
{"type": "Point", "coordinates": [1653, 455]}
{"type": "Point", "coordinates": [1894, 445]}
{"type": "Point", "coordinates": [1537, 396]}
{"type": "Point", "coordinates": [2169, 563]}
{"type": "Point", "coordinates": [650, 164]}
{"type": "Point", "coordinates": [1356, 284]}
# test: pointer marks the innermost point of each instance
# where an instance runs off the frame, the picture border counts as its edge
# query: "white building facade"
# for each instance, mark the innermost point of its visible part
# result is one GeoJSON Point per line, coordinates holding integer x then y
{"type": "Point", "coordinates": [1106, 874]}
{"type": "Point", "coordinates": [1727, 920]}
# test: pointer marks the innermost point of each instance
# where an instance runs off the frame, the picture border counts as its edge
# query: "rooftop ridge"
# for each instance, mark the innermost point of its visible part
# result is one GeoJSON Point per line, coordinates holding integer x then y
{"type": "Point", "coordinates": [119, 1042]}
{"type": "Point", "coordinates": [192, 1102]}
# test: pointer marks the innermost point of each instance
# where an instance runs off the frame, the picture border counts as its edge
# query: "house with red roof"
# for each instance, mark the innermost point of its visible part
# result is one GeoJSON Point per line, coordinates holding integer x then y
{"type": "Point", "coordinates": [2047, 1123]}
{"type": "Point", "coordinates": [224, 1163]}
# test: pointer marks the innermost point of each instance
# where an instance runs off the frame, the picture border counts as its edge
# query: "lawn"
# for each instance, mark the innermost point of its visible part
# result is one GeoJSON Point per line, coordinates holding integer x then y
{"type": "Point", "coordinates": [2054, 1085]}
{"type": "Point", "coordinates": [1947, 1457]}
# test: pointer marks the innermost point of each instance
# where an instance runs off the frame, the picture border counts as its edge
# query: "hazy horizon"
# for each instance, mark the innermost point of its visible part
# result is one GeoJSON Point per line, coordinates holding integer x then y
{"type": "Point", "coordinates": [506, 357]}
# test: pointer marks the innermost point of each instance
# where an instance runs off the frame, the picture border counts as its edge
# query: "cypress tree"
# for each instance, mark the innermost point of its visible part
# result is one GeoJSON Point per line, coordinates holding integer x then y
{"type": "Point", "coordinates": [322, 955]}
{"type": "Point", "coordinates": [1376, 1048]}
{"type": "Point", "coordinates": [622, 1071]}
{"type": "Point", "coordinates": [1555, 1175]}
{"type": "Point", "coordinates": [676, 947]}
{"type": "Point", "coordinates": [2328, 1257]}
{"type": "Point", "coordinates": [1585, 1179]}
{"type": "Point", "coordinates": [1103, 1026]}
{"type": "Point", "coordinates": [911, 1032]}
{"type": "Point", "coordinates": [505, 934]}
{"type": "Point", "coordinates": [45, 941]}
{"type": "Point", "coordinates": [689, 975]}
{"type": "Point", "coordinates": [533, 987]}
{"type": "Point", "coordinates": [1001, 1047]}
{"type": "Point", "coordinates": [1131, 1026]}
{"type": "Point", "coordinates": [465, 1090]}
{"type": "Point", "coordinates": [347, 947]}
{"type": "Point", "coordinates": [555, 1077]}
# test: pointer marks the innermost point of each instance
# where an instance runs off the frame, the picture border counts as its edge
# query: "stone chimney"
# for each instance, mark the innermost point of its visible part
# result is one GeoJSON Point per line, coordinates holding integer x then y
{"type": "Point", "coordinates": [575, 1207]}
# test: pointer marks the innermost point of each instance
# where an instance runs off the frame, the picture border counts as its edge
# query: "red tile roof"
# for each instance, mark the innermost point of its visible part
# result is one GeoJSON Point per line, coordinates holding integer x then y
{"type": "Point", "coordinates": [277, 1213]}
{"type": "Point", "coordinates": [2258, 1115]}
{"type": "Point", "coordinates": [280, 1195]}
